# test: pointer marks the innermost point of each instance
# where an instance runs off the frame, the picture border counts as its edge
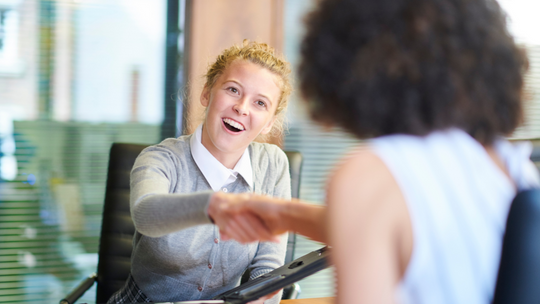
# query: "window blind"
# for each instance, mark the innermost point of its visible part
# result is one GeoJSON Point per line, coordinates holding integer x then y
{"type": "Point", "coordinates": [321, 150]}
{"type": "Point", "coordinates": [531, 126]}
{"type": "Point", "coordinates": [75, 76]}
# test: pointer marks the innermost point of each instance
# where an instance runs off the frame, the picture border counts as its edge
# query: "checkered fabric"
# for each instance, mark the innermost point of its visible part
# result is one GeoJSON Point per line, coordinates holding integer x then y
{"type": "Point", "coordinates": [130, 293]}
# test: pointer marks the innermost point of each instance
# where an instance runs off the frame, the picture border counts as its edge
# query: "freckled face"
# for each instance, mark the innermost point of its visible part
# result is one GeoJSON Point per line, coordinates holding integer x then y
{"type": "Point", "coordinates": [241, 105]}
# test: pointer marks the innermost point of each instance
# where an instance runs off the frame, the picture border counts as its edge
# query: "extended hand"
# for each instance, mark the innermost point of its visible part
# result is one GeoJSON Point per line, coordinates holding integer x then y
{"type": "Point", "coordinates": [246, 217]}
{"type": "Point", "coordinates": [249, 217]}
{"type": "Point", "coordinates": [230, 212]}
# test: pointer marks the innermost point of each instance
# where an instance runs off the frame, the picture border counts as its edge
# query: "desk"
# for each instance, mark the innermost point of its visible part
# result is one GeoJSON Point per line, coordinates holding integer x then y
{"type": "Point", "coordinates": [329, 300]}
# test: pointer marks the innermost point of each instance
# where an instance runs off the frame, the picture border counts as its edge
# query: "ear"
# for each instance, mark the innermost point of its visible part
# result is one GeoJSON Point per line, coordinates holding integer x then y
{"type": "Point", "coordinates": [205, 96]}
{"type": "Point", "coordinates": [268, 127]}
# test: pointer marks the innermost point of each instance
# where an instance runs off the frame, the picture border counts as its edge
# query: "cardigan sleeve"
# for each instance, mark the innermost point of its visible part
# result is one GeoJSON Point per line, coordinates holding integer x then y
{"type": "Point", "coordinates": [154, 210]}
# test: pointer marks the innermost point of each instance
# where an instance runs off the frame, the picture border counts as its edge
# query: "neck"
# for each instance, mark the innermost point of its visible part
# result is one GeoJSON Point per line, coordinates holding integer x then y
{"type": "Point", "coordinates": [227, 159]}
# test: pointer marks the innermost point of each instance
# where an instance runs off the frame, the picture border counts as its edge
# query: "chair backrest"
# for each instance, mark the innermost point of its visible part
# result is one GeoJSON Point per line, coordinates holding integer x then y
{"type": "Point", "coordinates": [295, 169]}
{"type": "Point", "coordinates": [518, 281]}
{"type": "Point", "coordinates": [117, 230]}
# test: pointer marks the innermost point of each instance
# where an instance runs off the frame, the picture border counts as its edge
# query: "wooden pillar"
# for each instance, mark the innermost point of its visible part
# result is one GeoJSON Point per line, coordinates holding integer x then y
{"type": "Point", "coordinates": [213, 25]}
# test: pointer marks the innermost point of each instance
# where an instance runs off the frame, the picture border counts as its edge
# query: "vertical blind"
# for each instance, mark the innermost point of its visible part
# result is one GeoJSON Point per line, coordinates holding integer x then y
{"type": "Point", "coordinates": [531, 127]}
{"type": "Point", "coordinates": [320, 150]}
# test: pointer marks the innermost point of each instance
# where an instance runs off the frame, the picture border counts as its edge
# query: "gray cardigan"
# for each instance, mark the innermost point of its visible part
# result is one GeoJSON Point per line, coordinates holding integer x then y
{"type": "Point", "coordinates": [177, 252]}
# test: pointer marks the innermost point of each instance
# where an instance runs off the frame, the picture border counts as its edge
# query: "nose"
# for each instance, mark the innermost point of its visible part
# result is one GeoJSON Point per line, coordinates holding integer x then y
{"type": "Point", "coordinates": [241, 107]}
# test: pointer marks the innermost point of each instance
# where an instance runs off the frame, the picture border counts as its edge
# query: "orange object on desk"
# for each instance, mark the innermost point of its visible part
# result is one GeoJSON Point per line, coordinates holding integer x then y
{"type": "Point", "coordinates": [329, 300]}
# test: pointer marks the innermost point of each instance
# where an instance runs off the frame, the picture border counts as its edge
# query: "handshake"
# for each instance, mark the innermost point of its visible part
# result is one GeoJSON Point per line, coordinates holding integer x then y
{"type": "Point", "coordinates": [248, 217]}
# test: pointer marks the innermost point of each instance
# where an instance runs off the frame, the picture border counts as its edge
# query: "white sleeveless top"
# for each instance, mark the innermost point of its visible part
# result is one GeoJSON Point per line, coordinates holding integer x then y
{"type": "Point", "coordinates": [458, 201]}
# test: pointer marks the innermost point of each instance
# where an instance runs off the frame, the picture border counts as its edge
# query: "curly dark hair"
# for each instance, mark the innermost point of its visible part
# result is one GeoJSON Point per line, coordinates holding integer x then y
{"type": "Point", "coordinates": [412, 66]}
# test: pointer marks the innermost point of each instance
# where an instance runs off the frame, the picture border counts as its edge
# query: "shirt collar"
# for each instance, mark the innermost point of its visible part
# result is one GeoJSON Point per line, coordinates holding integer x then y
{"type": "Point", "coordinates": [215, 172]}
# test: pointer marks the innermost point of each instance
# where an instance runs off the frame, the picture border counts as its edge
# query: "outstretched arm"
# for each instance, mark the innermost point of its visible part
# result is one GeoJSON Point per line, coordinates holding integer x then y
{"type": "Point", "coordinates": [155, 209]}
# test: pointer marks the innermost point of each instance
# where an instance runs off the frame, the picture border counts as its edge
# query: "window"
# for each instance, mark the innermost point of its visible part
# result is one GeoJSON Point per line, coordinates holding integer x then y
{"type": "Point", "coordinates": [3, 13]}
{"type": "Point", "coordinates": [523, 24]}
{"type": "Point", "coordinates": [10, 63]}
{"type": "Point", "coordinates": [93, 74]}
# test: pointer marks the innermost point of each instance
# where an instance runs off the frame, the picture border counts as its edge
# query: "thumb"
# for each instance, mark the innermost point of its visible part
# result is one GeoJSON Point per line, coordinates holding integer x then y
{"type": "Point", "coordinates": [224, 236]}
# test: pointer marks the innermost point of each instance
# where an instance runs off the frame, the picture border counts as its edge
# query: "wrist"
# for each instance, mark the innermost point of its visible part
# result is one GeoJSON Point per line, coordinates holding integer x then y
{"type": "Point", "coordinates": [213, 203]}
{"type": "Point", "coordinates": [306, 219]}
{"type": "Point", "coordinates": [292, 214]}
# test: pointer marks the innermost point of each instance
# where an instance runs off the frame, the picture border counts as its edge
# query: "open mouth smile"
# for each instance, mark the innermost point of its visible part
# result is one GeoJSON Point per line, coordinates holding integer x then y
{"type": "Point", "coordinates": [232, 125]}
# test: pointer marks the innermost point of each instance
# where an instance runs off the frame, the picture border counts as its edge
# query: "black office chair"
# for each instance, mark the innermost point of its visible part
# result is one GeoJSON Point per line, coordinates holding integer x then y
{"type": "Point", "coordinates": [518, 281]}
{"type": "Point", "coordinates": [295, 169]}
{"type": "Point", "coordinates": [117, 229]}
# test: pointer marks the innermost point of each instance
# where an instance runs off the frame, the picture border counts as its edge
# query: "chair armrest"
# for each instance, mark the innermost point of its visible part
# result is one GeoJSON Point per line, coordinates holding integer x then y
{"type": "Point", "coordinates": [79, 290]}
{"type": "Point", "coordinates": [291, 292]}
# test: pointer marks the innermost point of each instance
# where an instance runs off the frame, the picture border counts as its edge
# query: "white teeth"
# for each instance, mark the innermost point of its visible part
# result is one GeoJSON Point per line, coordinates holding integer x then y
{"type": "Point", "coordinates": [233, 123]}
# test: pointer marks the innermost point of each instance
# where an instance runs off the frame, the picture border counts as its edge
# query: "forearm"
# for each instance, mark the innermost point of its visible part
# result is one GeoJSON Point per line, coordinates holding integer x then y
{"type": "Point", "coordinates": [155, 208]}
{"type": "Point", "coordinates": [156, 215]}
{"type": "Point", "coordinates": [306, 219]}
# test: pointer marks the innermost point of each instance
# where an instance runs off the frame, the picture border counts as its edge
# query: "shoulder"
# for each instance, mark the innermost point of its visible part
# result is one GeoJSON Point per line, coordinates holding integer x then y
{"type": "Point", "coordinates": [363, 187]}
{"type": "Point", "coordinates": [169, 152]}
{"type": "Point", "coordinates": [174, 146]}
{"type": "Point", "coordinates": [361, 173]}
{"type": "Point", "coordinates": [264, 153]}
{"type": "Point", "coordinates": [366, 203]}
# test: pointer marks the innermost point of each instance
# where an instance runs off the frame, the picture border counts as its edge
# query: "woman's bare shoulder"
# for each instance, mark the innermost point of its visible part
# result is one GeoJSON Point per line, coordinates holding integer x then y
{"type": "Point", "coordinates": [361, 177]}
{"type": "Point", "coordinates": [366, 203]}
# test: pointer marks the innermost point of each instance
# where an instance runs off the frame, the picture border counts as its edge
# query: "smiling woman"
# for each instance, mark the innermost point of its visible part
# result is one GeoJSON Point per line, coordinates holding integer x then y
{"type": "Point", "coordinates": [177, 254]}
{"type": "Point", "coordinates": [263, 56]}
{"type": "Point", "coordinates": [241, 105]}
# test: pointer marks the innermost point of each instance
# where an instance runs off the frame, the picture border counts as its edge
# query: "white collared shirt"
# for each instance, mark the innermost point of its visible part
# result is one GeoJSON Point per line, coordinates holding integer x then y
{"type": "Point", "coordinates": [217, 175]}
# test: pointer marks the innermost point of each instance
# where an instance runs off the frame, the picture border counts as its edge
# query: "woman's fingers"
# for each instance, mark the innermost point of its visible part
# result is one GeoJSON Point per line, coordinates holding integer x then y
{"type": "Point", "coordinates": [246, 228]}
{"type": "Point", "coordinates": [224, 236]}
{"type": "Point", "coordinates": [254, 228]}
{"type": "Point", "coordinates": [249, 227]}
{"type": "Point", "coordinates": [243, 217]}
{"type": "Point", "coordinates": [236, 231]}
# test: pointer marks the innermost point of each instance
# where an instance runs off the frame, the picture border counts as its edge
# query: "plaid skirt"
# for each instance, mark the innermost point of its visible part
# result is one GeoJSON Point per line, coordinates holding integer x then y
{"type": "Point", "coordinates": [130, 293]}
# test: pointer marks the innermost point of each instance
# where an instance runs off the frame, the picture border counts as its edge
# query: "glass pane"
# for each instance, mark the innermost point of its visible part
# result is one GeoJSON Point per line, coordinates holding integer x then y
{"type": "Point", "coordinates": [523, 24]}
{"type": "Point", "coordinates": [75, 76]}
